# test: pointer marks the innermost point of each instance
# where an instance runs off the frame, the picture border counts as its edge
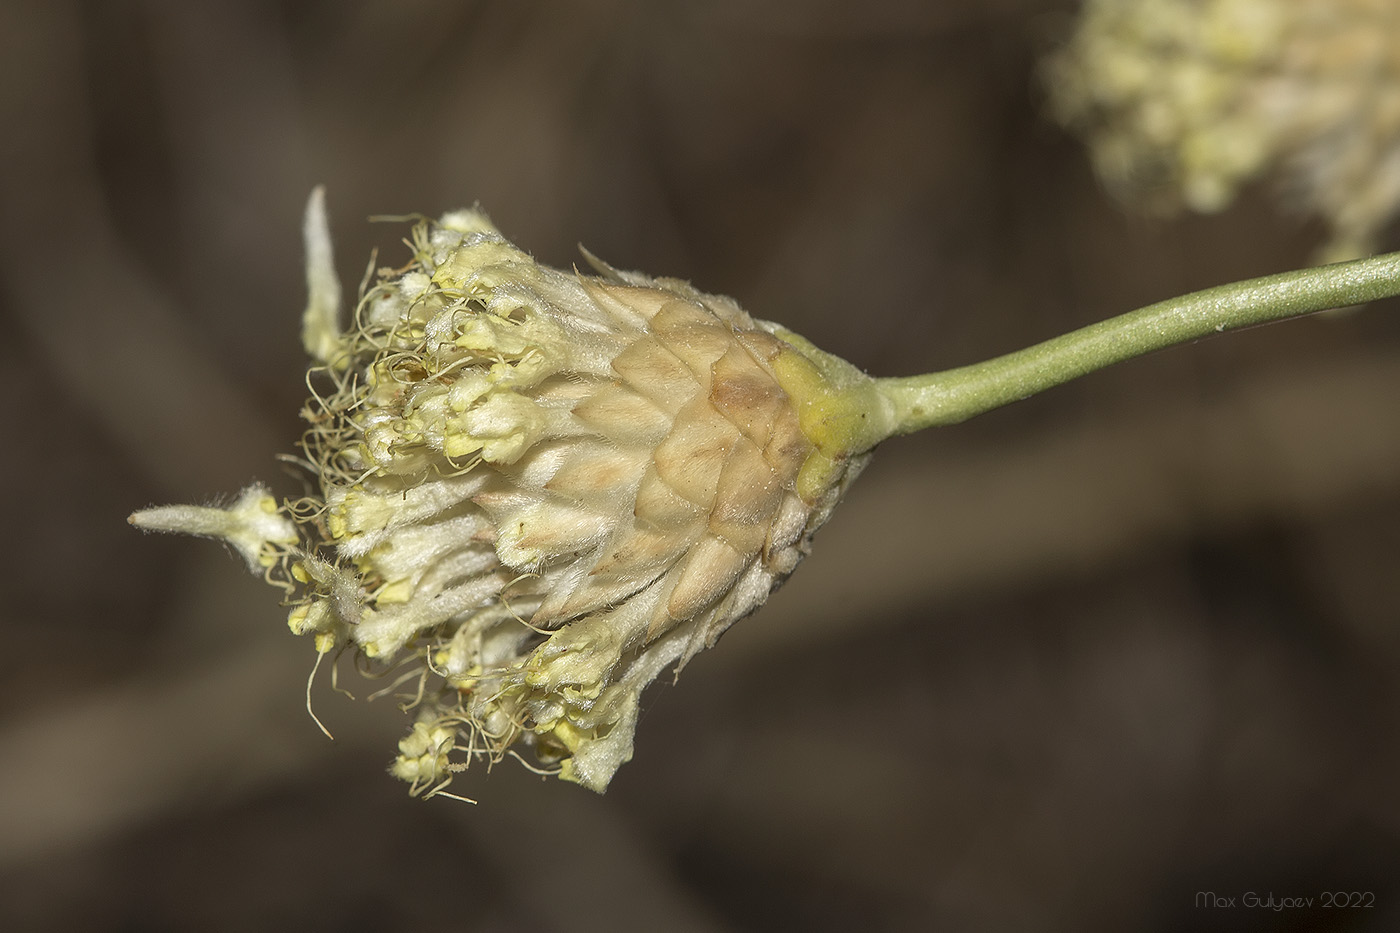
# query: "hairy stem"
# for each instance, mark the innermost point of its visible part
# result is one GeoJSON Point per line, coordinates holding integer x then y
{"type": "Point", "coordinates": [957, 394]}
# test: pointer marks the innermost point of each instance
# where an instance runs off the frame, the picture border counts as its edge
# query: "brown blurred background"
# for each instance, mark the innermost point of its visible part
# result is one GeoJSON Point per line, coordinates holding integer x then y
{"type": "Point", "coordinates": [1060, 668]}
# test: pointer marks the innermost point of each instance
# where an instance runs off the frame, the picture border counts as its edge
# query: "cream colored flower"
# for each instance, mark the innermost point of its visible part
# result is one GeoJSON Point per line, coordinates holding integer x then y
{"type": "Point", "coordinates": [254, 525]}
{"type": "Point", "coordinates": [538, 489]}
{"type": "Point", "coordinates": [1183, 101]}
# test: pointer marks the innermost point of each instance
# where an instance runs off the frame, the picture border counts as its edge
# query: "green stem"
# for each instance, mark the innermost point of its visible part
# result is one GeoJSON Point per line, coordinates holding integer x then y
{"type": "Point", "coordinates": [957, 394]}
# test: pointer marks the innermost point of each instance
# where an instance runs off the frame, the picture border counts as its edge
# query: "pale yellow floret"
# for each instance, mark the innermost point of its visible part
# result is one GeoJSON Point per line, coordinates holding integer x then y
{"type": "Point", "coordinates": [320, 327]}
{"type": "Point", "coordinates": [254, 525]}
{"type": "Point", "coordinates": [423, 756]}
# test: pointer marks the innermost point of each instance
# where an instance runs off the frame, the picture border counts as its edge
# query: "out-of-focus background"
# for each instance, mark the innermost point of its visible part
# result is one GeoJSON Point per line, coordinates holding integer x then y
{"type": "Point", "coordinates": [1065, 667]}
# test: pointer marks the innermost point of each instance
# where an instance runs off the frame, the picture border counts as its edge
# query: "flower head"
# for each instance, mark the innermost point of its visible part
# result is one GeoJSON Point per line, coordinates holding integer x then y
{"type": "Point", "coordinates": [537, 490]}
{"type": "Point", "coordinates": [1183, 101]}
